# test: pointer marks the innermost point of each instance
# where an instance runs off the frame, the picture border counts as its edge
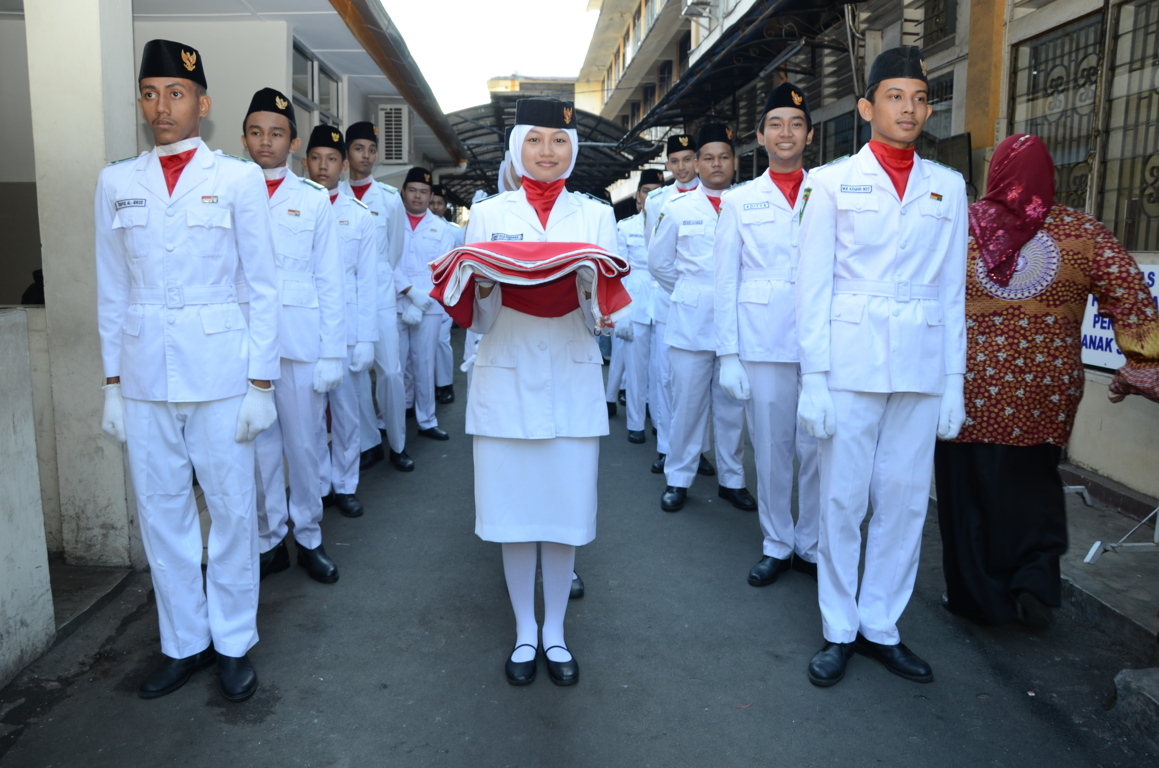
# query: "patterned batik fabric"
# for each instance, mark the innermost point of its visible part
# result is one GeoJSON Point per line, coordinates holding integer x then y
{"type": "Point", "coordinates": [1024, 372]}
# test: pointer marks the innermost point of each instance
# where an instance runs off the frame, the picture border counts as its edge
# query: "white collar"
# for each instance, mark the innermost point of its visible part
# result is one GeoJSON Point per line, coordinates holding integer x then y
{"type": "Point", "coordinates": [177, 147]}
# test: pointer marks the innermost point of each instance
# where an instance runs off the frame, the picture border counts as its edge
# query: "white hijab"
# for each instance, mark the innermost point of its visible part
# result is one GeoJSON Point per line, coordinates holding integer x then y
{"type": "Point", "coordinates": [515, 149]}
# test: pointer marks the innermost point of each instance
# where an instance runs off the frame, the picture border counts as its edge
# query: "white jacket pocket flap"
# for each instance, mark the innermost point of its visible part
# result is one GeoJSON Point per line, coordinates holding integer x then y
{"type": "Point", "coordinates": [502, 356]}
{"type": "Point", "coordinates": [130, 217]}
{"type": "Point", "coordinates": [755, 292]}
{"type": "Point", "coordinates": [219, 318]}
{"type": "Point", "coordinates": [585, 352]}
{"type": "Point", "coordinates": [132, 324]}
{"type": "Point", "coordinates": [209, 216]}
{"type": "Point", "coordinates": [848, 308]}
{"type": "Point", "coordinates": [758, 215]}
{"type": "Point", "coordinates": [933, 312]}
{"type": "Point", "coordinates": [299, 295]}
{"type": "Point", "coordinates": [690, 230]}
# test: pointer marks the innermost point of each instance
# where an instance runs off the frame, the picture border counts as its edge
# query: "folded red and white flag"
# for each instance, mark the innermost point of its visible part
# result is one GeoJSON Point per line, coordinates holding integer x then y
{"type": "Point", "coordinates": [539, 279]}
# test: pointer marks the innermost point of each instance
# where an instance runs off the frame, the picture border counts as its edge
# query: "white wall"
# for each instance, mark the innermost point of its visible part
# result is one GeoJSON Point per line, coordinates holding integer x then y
{"type": "Point", "coordinates": [1119, 441]}
{"type": "Point", "coordinates": [15, 118]}
{"type": "Point", "coordinates": [27, 624]}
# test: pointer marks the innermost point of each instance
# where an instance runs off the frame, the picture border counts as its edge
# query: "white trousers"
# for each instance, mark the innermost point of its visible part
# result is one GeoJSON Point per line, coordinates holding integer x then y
{"type": "Point", "coordinates": [444, 357]}
{"type": "Point", "coordinates": [772, 419]}
{"type": "Point", "coordinates": [167, 442]}
{"type": "Point", "coordinates": [636, 365]}
{"type": "Point", "coordinates": [291, 441]}
{"type": "Point", "coordinates": [388, 390]}
{"type": "Point", "coordinates": [338, 461]}
{"type": "Point", "coordinates": [882, 454]}
{"type": "Point", "coordinates": [417, 345]}
{"type": "Point", "coordinates": [616, 369]}
{"type": "Point", "coordinates": [660, 386]}
{"type": "Point", "coordinates": [696, 383]}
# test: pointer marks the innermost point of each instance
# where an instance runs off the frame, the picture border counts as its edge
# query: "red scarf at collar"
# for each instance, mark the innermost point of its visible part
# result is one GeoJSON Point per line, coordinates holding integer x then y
{"type": "Point", "coordinates": [789, 184]}
{"type": "Point", "coordinates": [273, 184]}
{"type": "Point", "coordinates": [542, 196]}
{"type": "Point", "coordinates": [414, 220]}
{"type": "Point", "coordinates": [897, 164]}
{"type": "Point", "coordinates": [333, 197]}
{"type": "Point", "coordinates": [715, 202]}
{"type": "Point", "coordinates": [173, 165]}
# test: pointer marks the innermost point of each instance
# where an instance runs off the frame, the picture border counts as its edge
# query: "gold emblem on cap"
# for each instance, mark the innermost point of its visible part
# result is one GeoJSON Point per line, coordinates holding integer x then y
{"type": "Point", "coordinates": [280, 103]}
{"type": "Point", "coordinates": [567, 112]}
{"type": "Point", "coordinates": [427, 178]}
{"type": "Point", "coordinates": [925, 70]}
{"type": "Point", "coordinates": [189, 60]}
{"type": "Point", "coordinates": [797, 98]}
{"type": "Point", "coordinates": [335, 136]}
{"type": "Point", "coordinates": [684, 141]}
{"type": "Point", "coordinates": [375, 129]}
{"type": "Point", "coordinates": [728, 133]}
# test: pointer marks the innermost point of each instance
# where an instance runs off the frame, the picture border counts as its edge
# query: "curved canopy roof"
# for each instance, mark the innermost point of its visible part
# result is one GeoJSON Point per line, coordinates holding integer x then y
{"type": "Point", "coordinates": [601, 160]}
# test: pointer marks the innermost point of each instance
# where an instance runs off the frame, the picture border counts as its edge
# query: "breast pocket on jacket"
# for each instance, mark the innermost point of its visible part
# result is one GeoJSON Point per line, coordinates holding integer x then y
{"type": "Point", "coordinates": [210, 230]}
{"type": "Point", "coordinates": [222, 318]}
{"type": "Point", "coordinates": [857, 217]}
{"type": "Point", "coordinates": [754, 292]}
{"type": "Point", "coordinates": [295, 236]}
{"type": "Point", "coordinates": [499, 356]}
{"type": "Point", "coordinates": [690, 230]}
{"type": "Point", "coordinates": [132, 224]}
{"type": "Point", "coordinates": [585, 352]}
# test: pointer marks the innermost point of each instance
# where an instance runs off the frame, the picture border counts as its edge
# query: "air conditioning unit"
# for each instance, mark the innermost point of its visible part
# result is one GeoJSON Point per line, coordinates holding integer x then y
{"type": "Point", "coordinates": [696, 8]}
{"type": "Point", "coordinates": [395, 133]}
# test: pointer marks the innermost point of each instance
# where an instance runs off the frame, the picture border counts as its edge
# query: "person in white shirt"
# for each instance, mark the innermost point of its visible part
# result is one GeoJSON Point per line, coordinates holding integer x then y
{"type": "Point", "coordinates": [444, 357]}
{"type": "Point", "coordinates": [680, 258]}
{"type": "Point", "coordinates": [756, 334]}
{"type": "Point", "coordinates": [880, 306]}
{"type": "Point", "coordinates": [187, 376]}
{"type": "Point", "coordinates": [325, 162]}
{"type": "Point", "coordinates": [311, 336]}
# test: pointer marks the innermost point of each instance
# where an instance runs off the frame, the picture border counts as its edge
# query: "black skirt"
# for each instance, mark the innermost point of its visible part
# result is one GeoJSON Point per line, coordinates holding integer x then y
{"type": "Point", "coordinates": [1002, 515]}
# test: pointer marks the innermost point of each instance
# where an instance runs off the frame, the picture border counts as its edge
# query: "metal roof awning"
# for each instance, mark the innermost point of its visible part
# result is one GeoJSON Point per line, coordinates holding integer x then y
{"type": "Point", "coordinates": [605, 156]}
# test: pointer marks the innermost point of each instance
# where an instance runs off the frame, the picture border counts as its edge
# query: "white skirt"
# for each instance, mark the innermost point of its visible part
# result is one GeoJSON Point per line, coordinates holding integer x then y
{"type": "Point", "coordinates": [536, 490]}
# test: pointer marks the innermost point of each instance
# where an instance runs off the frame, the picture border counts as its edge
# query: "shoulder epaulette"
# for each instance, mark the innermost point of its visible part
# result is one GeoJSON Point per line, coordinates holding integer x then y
{"type": "Point", "coordinates": [123, 159]}
{"type": "Point", "coordinates": [593, 197]}
{"type": "Point", "coordinates": [388, 188]}
{"type": "Point", "coordinates": [364, 205]}
{"type": "Point", "coordinates": [657, 191]}
{"type": "Point", "coordinates": [235, 157]}
{"type": "Point", "coordinates": [832, 162]}
{"type": "Point", "coordinates": [735, 187]}
{"type": "Point", "coordinates": [311, 182]}
{"type": "Point", "coordinates": [678, 196]}
{"type": "Point", "coordinates": [943, 165]}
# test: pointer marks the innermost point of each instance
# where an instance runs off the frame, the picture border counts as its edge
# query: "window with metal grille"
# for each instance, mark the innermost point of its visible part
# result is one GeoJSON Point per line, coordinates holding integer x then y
{"type": "Point", "coordinates": [392, 136]}
{"type": "Point", "coordinates": [664, 77]}
{"type": "Point", "coordinates": [836, 138]}
{"type": "Point", "coordinates": [939, 21]}
{"type": "Point", "coordinates": [938, 127]}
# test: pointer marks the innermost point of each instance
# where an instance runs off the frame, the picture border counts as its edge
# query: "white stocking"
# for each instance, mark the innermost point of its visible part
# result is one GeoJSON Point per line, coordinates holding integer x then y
{"type": "Point", "coordinates": [519, 569]}
{"type": "Point", "coordinates": [558, 560]}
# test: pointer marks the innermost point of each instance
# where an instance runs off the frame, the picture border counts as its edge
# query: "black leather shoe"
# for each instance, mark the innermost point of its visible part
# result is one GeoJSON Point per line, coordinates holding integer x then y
{"type": "Point", "coordinates": [767, 570]}
{"type": "Point", "coordinates": [173, 673]}
{"type": "Point", "coordinates": [328, 500]}
{"type": "Point", "coordinates": [577, 587]}
{"type": "Point", "coordinates": [237, 677]}
{"type": "Point", "coordinates": [274, 561]}
{"type": "Point", "coordinates": [445, 395]}
{"type": "Point", "coordinates": [348, 504]}
{"type": "Point", "coordinates": [318, 564]}
{"type": "Point", "coordinates": [897, 659]}
{"type": "Point", "coordinates": [705, 468]}
{"type": "Point", "coordinates": [562, 672]}
{"type": "Point", "coordinates": [827, 666]}
{"type": "Point", "coordinates": [521, 672]}
{"type": "Point", "coordinates": [635, 436]}
{"type": "Point", "coordinates": [1031, 611]}
{"type": "Point", "coordinates": [673, 498]}
{"type": "Point", "coordinates": [370, 457]}
{"type": "Point", "coordinates": [434, 433]}
{"type": "Point", "coordinates": [622, 398]}
{"type": "Point", "coordinates": [658, 464]}
{"type": "Point", "coordinates": [800, 565]}
{"type": "Point", "coordinates": [402, 462]}
{"type": "Point", "coordinates": [611, 409]}
{"type": "Point", "coordinates": [738, 497]}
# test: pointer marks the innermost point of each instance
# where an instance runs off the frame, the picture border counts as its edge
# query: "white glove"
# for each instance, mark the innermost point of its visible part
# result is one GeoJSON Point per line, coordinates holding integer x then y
{"type": "Point", "coordinates": [412, 315]}
{"type": "Point", "coordinates": [362, 356]}
{"type": "Point", "coordinates": [468, 364]}
{"type": "Point", "coordinates": [624, 329]}
{"type": "Point", "coordinates": [815, 410]}
{"type": "Point", "coordinates": [257, 413]}
{"type": "Point", "coordinates": [327, 374]}
{"type": "Point", "coordinates": [421, 300]}
{"type": "Point", "coordinates": [113, 419]}
{"type": "Point", "coordinates": [733, 378]}
{"type": "Point", "coordinates": [952, 415]}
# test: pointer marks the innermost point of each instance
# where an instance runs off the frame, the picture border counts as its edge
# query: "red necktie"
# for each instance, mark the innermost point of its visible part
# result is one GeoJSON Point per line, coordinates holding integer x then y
{"type": "Point", "coordinates": [173, 165]}
{"type": "Point", "coordinates": [897, 163]}
{"type": "Point", "coordinates": [360, 191]}
{"type": "Point", "coordinates": [715, 203]}
{"type": "Point", "coordinates": [273, 184]}
{"type": "Point", "coordinates": [333, 197]}
{"type": "Point", "coordinates": [414, 221]}
{"type": "Point", "coordinates": [788, 183]}
{"type": "Point", "coordinates": [542, 196]}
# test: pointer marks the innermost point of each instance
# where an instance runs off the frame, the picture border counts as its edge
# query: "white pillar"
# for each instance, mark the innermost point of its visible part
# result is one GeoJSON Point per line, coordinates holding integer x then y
{"type": "Point", "coordinates": [80, 72]}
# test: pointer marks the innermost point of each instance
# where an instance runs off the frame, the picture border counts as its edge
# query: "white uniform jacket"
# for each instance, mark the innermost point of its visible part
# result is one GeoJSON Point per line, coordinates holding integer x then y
{"type": "Point", "coordinates": [357, 245]}
{"type": "Point", "coordinates": [681, 259]}
{"type": "Point", "coordinates": [310, 272]}
{"type": "Point", "coordinates": [460, 234]}
{"type": "Point", "coordinates": [167, 306]}
{"type": "Point", "coordinates": [429, 240]}
{"type": "Point", "coordinates": [537, 377]}
{"type": "Point", "coordinates": [756, 266]}
{"type": "Point", "coordinates": [385, 205]}
{"type": "Point", "coordinates": [881, 282]}
{"type": "Point", "coordinates": [639, 283]}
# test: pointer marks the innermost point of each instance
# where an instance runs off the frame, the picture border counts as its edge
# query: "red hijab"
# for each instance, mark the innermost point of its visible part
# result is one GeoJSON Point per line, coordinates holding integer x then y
{"type": "Point", "coordinates": [1019, 194]}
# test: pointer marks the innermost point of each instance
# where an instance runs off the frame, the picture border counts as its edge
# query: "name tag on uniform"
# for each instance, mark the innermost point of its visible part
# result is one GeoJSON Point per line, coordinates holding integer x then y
{"type": "Point", "coordinates": [861, 189]}
{"type": "Point", "coordinates": [292, 212]}
{"type": "Point", "coordinates": [136, 202]}
{"type": "Point", "coordinates": [209, 198]}
{"type": "Point", "coordinates": [693, 223]}
{"type": "Point", "coordinates": [756, 206]}
{"type": "Point", "coordinates": [343, 223]}
{"type": "Point", "coordinates": [501, 236]}
{"type": "Point", "coordinates": [635, 238]}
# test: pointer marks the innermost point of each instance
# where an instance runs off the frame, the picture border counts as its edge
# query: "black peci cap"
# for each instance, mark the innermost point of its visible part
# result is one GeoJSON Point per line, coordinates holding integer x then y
{"type": "Point", "coordinates": [165, 58]}
{"type": "Point", "coordinates": [269, 100]}
{"type": "Point", "coordinates": [681, 142]}
{"type": "Point", "coordinates": [363, 130]}
{"type": "Point", "coordinates": [904, 61]}
{"type": "Point", "coordinates": [713, 132]}
{"type": "Point", "coordinates": [548, 113]}
{"type": "Point", "coordinates": [788, 95]}
{"type": "Point", "coordinates": [418, 175]}
{"type": "Point", "coordinates": [437, 191]}
{"type": "Point", "coordinates": [326, 136]}
{"type": "Point", "coordinates": [650, 176]}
